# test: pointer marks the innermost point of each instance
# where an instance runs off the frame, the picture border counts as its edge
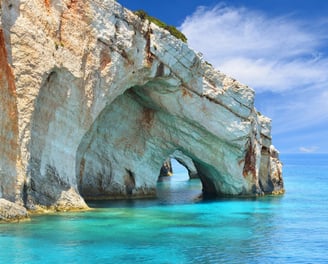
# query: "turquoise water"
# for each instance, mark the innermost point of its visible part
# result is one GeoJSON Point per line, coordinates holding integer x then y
{"type": "Point", "coordinates": [179, 228]}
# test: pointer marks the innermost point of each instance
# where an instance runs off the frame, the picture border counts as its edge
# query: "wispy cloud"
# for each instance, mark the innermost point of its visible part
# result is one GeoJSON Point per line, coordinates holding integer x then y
{"type": "Point", "coordinates": [283, 58]}
{"type": "Point", "coordinates": [266, 53]}
{"type": "Point", "coordinates": [311, 149]}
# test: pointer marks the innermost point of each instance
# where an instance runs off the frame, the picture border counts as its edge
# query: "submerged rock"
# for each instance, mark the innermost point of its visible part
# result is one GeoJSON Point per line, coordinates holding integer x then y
{"type": "Point", "coordinates": [95, 99]}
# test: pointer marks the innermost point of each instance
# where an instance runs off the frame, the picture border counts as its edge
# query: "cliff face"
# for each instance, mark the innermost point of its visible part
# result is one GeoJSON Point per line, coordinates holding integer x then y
{"type": "Point", "coordinates": [94, 99]}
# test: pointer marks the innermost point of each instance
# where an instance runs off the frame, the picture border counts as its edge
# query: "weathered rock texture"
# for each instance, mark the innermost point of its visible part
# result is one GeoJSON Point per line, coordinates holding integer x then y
{"type": "Point", "coordinates": [12, 212]}
{"type": "Point", "coordinates": [94, 99]}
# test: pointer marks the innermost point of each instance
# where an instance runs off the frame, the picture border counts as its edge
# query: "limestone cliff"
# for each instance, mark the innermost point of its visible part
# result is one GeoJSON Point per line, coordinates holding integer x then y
{"type": "Point", "coordinates": [94, 99]}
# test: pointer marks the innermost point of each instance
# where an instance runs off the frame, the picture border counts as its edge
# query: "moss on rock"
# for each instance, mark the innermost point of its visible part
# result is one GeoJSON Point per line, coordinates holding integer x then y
{"type": "Point", "coordinates": [172, 29]}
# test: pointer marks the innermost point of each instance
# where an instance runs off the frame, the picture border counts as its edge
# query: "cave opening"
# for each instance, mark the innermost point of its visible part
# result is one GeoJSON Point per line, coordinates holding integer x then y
{"type": "Point", "coordinates": [122, 154]}
{"type": "Point", "coordinates": [173, 169]}
{"type": "Point", "coordinates": [176, 184]}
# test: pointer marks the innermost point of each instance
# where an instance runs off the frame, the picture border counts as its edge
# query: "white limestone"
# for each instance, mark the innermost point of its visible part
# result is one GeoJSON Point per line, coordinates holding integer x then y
{"type": "Point", "coordinates": [102, 98]}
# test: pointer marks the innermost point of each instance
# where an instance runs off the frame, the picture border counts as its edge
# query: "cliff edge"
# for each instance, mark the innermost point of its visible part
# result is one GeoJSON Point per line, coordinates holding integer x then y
{"type": "Point", "coordinates": [93, 100]}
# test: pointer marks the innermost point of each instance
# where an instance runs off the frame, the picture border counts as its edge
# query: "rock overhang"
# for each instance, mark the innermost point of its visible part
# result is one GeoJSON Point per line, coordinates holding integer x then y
{"type": "Point", "coordinates": [70, 71]}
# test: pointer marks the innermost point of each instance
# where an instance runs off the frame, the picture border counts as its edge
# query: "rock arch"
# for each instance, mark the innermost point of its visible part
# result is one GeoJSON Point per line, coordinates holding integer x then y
{"type": "Point", "coordinates": [102, 98]}
{"type": "Point", "coordinates": [139, 129]}
{"type": "Point", "coordinates": [132, 136]}
{"type": "Point", "coordinates": [186, 162]}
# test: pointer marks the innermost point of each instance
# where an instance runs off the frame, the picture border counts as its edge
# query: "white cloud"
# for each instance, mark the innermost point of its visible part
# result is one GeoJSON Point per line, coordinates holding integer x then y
{"type": "Point", "coordinates": [266, 53]}
{"type": "Point", "coordinates": [293, 111]}
{"type": "Point", "coordinates": [311, 149]}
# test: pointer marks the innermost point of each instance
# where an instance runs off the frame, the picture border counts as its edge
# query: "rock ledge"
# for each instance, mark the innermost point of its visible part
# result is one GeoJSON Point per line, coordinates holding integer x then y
{"type": "Point", "coordinates": [12, 212]}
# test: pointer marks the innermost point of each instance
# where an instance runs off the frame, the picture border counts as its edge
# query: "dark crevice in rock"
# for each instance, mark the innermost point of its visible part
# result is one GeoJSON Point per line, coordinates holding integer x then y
{"type": "Point", "coordinates": [129, 181]}
{"type": "Point", "coordinates": [24, 194]}
{"type": "Point", "coordinates": [160, 70]}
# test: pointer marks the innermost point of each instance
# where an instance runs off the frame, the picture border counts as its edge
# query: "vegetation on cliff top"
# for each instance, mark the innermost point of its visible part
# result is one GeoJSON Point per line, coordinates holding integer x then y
{"type": "Point", "coordinates": [173, 30]}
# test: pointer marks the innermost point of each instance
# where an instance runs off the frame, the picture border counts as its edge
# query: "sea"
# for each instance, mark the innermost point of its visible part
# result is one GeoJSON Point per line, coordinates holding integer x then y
{"type": "Point", "coordinates": [179, 227]}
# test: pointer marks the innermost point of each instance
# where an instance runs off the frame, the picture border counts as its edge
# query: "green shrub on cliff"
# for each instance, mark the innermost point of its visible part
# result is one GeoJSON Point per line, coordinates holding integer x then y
{"type": "Point", "coordinates": [173, 30]}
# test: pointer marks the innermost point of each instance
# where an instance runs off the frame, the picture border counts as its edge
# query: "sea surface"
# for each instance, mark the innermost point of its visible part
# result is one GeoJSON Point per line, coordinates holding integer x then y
{"type": "Point", "coordinates": [178, 227]}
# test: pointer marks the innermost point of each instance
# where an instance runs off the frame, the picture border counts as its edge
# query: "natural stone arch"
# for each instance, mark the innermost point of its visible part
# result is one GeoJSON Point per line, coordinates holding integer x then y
{"type": "Point", "coordinates": [88, 55]}
{"type": "Point", "coordinates": [123, 149]}
{"type": "Point", "coordinates": [129, 141]}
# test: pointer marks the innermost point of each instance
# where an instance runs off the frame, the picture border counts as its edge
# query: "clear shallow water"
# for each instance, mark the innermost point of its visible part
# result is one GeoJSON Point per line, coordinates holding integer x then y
{"type": "Point", "coordinates": [178, 228]}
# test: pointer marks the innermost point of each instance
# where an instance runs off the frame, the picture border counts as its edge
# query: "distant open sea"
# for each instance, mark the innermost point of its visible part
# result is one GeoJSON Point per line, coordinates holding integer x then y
{"type": "Point", "coordinates": [178, 228]}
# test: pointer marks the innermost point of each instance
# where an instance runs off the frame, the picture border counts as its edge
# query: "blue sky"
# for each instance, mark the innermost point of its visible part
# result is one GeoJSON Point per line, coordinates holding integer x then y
{"type": "Point", "coordinates": [277, 47]}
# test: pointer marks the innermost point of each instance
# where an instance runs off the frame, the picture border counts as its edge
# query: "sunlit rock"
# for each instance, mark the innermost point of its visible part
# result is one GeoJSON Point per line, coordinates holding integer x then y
{"type": "Point", "coordinates": [166, 169]}
{"type": "Point", "coordinates": [11, 212]}
{"type": "Point", "coordinates": [94, 99]}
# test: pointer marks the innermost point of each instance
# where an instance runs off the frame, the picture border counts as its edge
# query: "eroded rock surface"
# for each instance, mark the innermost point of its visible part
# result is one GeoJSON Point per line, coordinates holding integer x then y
{"type": "Point", "coordinates": [11, 212]}
{"type": "Point", "coordinates": [94, 99]}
